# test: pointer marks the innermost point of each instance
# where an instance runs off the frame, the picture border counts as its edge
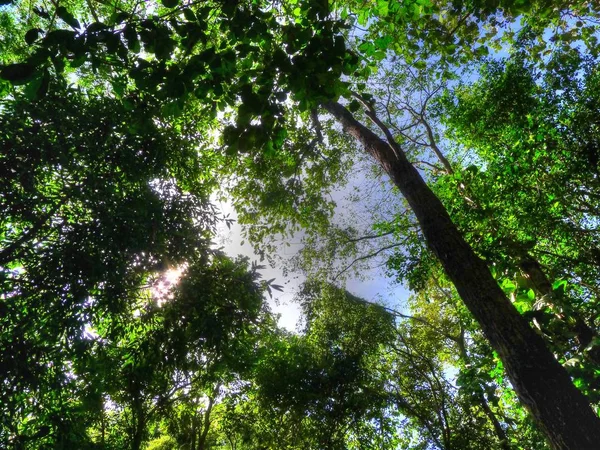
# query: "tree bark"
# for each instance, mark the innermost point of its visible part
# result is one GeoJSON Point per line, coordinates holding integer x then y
{"type": "Point", "coordinates": [207, 421]}
{"type": "Point", "coordinates": [542, 384]}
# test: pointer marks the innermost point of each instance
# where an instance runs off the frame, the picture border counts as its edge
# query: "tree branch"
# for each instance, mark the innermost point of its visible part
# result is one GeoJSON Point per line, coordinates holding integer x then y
{"type": "Point", "coordinates": [370, 255]}
{"type": "Point", "coordinates": [371, 236]}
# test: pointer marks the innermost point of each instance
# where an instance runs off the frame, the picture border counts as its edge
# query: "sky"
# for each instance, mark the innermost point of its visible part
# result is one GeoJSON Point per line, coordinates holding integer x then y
{"type": "Point", "coordinates": [372, 285]}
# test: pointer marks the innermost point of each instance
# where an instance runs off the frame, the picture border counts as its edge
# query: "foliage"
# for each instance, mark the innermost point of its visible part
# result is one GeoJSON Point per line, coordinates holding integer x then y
{"type": "Point", "coordinates": [530, 140]}
{"type": "Point", "coordinates": [88, 216]}
{"type": "Point", "coordinates": [453, 34]}
{"type": "Point", "coordinates": [119, 120]}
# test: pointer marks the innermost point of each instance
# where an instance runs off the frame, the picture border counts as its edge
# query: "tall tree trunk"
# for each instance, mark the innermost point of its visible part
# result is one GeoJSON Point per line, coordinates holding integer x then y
{"type": "Point", "coordinates": [194, 430]}
{"type": "Point", "coordinates": [138, 434]}
{"type": "Point", "coordinates": [138, 417]}
{"type": "Point", "coordinates": [528, 265]}
{"type": "Point", "coordinates": [542, 384]}
{"type": "Point", "coordinates": [207, 421]}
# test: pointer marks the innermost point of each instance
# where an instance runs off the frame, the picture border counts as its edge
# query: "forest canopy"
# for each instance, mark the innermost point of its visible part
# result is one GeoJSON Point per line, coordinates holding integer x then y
{"type": "Point", "coordinates": [476, 126]}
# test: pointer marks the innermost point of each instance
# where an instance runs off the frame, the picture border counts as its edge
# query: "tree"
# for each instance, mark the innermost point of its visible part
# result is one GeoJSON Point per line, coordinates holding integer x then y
{"type": "Point", "coordinates": [546, 241]}
{"type": "Point", "coordinates": [322, 389]}
{"type": "Point", "coordinates": [256, 136]}
{"type": "Point", "coordinates": [87, 218]}
{"type": "Point", "coordinates": [522, 351]}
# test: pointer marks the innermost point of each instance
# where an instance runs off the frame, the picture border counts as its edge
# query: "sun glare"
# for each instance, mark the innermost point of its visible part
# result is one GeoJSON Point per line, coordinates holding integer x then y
{"type": "Point", "coordinates": [166, 281]}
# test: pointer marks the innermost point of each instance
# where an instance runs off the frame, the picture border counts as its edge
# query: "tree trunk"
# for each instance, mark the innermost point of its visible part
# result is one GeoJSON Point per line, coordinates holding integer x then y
{"type": "Point", "coordinates": [103, 425]}
{"type": "Point", "coordinates": [138, 418]}
{"type": "Point", "coordinates": [542, 384]}
{"type": "Point", "coordinates": [138, 435]}
{"type": "Point", "coordinates": [500, 433]}
{"type": "Point", "coordinates": [194, 430]}
{"type": "Point", "coordinates": [206, 424]}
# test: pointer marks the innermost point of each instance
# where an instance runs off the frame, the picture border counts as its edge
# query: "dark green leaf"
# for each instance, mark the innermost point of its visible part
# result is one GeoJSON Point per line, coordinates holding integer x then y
{"type": "Point", "coordinates": [170, 3]}
{"type": "Point", "coordinates": [19, 73]}
{"type": "Point", "coordinates": [41, 12]}
{"type": "Point", "coordinates": [32, 35]}
{"type": "Point", "coordinates": [354, 106]}
{"type": "Point", "coordinates": [189, 14]}
{"type": "Point", "coordinates": [119, 17]}
{"type": "Point", "coordinates": [38, 87]}
{"type": "Point", "coordinates": [60, 37]}
{"type": "Point", "coordinates": [59, 64]}
{"type": "Point", "coordinates": [68, 18]}
{"type": "Point", "coordinates": [96, 26]}
{"type": "Point", "coordinates": [131, 37]}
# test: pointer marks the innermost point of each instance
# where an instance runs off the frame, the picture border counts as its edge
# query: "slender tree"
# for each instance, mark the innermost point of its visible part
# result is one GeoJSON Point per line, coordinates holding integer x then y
{"type": "Point", "coordinates": [541, 383]}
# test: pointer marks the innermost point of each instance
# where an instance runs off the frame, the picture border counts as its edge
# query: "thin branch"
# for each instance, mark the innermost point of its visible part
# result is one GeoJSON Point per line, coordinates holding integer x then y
{"type": "Point", "coordinates": [433, 166]}
{"type": "Point", "coordinates": [370, 255]}
{"type": "Point", "coordinates": [459, 23]}
{"type": "Point", "coordinates": [371, 114]}
{"type": "Point", "coordinates": [371, 236]}
{"type": "Point", "coordinates": [434, 147]}
{"type": "Point", "coordinates": [430, 95]}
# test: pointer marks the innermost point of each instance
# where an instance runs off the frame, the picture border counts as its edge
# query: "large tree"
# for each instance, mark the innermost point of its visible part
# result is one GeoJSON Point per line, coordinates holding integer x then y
{"type": "Point", "coordinates": [244, 59]}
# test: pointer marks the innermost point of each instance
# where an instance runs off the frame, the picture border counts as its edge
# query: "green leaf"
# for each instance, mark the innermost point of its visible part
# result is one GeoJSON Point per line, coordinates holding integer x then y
{"type": "Point", "coordinates": [559, 285]}
{"type": "Point", "coordinates": [508, 286]}
{"type": "Point", "coordinates": [32, 35]}
{"type": "Point", "coordinates": [131, 37]}
{"type": "Point", "coordinates": [67, 17]}
{"type": "Point", "coordinates": [483, 51]}
{"type": "Point", "coordinates": [170, 3]}
{"type": "Point", "coordinates": [383, 8]}
{"type": "Point", "coordinates": [4, 88]}
{"type": "Point", "coordinates": [19, 73]}
{"type": "Point", "coordinates": [354, 106]}
{"type": "Point", "coordinates": [189, 14]}
{"type": "Point", "coordinates": [118, 87]}
{"type": "Point", "coordinates": [420, 64]}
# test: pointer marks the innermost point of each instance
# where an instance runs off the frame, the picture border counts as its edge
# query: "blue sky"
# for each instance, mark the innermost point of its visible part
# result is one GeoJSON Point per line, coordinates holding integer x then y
{"type": "Point", "coordinates": [372, 285]}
